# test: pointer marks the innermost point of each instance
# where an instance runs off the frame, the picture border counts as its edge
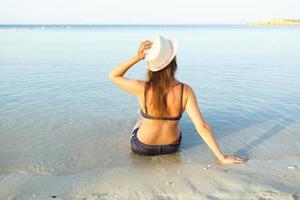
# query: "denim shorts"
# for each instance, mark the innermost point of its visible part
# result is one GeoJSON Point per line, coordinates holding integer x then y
{"type": "Point", "coordinates": [149, 150]}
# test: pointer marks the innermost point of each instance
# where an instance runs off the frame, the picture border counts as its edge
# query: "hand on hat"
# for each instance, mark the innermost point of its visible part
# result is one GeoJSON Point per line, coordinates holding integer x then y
{"type": "Point", "coordinates": [141, 50]}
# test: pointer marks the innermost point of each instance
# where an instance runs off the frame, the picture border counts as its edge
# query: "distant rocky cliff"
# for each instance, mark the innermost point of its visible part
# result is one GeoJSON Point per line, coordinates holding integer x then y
{"type": "Point", "coordinates": [276, 22]}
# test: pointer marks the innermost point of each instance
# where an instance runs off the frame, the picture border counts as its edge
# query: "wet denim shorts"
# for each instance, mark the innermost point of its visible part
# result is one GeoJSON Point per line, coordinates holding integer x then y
{"type": "Point", "coordinates": [150, 150]}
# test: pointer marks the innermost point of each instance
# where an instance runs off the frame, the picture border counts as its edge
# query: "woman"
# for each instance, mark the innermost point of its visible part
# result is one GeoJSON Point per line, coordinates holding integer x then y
{"type": "Point", "coordinates": [163, 99]}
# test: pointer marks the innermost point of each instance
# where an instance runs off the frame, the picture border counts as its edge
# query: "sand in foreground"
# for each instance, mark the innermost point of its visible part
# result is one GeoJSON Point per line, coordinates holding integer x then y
{"type": "Point", "coordinates": [254, 180]}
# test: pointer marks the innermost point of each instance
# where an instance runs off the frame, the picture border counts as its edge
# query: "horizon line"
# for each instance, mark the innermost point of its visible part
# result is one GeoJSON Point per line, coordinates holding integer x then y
{"type": "Point", "coordinates": [79, 24]}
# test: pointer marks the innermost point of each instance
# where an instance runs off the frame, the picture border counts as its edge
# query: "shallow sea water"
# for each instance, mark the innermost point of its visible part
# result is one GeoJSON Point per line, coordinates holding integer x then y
{"type": "Point", "coordinates": [61, 115]}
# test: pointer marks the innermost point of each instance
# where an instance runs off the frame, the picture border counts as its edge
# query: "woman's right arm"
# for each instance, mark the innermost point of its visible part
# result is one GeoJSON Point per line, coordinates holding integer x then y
{"type": "Point", "coordinates": [204, 130]}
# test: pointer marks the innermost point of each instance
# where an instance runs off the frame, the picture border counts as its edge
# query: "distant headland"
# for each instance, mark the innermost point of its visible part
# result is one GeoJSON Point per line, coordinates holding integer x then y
{"type": "Point", "coordinates": [276, 22]}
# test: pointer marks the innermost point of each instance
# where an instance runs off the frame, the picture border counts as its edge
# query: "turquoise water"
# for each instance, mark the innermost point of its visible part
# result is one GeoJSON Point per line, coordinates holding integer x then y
{"type": "Point", "coordinates": [60, 114]}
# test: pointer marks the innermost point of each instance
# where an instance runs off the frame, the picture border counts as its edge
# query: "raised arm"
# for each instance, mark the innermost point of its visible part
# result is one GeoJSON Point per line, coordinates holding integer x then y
{"type": "Point", "coordinates": [204, 130]}
{"type": "Point", "coordinates": [128, 85]}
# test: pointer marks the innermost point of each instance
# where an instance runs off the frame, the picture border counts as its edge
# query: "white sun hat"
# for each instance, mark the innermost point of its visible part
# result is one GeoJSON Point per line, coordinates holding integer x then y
{"type": "Point", "coordinates": [161, 53]}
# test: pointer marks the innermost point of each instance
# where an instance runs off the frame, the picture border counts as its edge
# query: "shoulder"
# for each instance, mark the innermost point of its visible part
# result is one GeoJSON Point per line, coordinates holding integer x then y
{"type": "Point", "coordinates": [187, 94]}
{"type": "Point", "coordinates": [187, 89]}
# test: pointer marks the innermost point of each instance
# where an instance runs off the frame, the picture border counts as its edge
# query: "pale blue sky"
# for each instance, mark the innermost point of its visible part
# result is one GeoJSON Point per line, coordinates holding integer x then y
{"type": "Point", "coordinates": [145, 12]}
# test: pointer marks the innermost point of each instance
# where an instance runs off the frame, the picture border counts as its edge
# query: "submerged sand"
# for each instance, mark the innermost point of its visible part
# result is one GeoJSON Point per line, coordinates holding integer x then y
{"type": "Point", "coordinates": [272, 172]}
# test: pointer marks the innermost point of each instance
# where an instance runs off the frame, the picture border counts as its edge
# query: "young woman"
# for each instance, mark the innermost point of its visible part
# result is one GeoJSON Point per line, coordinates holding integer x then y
{"type": "Point", "coordinates": [163, 99]}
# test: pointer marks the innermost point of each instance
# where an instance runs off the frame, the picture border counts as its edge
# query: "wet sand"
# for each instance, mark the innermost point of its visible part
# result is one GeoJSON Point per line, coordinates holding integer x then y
{"type": "Point", "coordinates": [272, 172]}
{"type": "Point", "coordinates": [254, 180]}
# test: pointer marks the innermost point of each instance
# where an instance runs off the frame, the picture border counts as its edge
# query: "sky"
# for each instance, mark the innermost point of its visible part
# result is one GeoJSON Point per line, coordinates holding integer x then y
{"type": "Point", "coordinates": [145, 12]}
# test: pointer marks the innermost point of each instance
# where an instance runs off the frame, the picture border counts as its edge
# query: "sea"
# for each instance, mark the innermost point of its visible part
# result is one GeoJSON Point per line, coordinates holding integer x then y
{"type": "Point", "coordinates": [61, 115]}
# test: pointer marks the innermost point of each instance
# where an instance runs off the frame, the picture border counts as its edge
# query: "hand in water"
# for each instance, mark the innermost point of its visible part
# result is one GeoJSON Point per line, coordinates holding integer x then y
{"type": "Point", "coordinates": [232, 159]}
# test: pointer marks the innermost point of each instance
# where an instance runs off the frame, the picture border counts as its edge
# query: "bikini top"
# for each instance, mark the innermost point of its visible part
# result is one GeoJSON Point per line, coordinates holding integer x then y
{"type": "Point", "coordinates": [147, 116]}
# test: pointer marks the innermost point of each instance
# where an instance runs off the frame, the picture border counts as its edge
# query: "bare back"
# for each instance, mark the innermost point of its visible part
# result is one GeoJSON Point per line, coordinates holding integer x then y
{"type": "Point", "coordinates": [160, 132]}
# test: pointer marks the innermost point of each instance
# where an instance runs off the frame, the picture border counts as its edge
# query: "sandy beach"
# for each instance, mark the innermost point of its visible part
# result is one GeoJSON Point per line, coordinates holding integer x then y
{"type": "Point", "coordinates": [254, 180]}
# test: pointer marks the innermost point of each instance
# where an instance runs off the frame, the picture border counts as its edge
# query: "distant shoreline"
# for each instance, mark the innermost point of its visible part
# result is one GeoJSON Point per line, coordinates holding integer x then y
{"type": "Point", "coordinates": [275, 22]}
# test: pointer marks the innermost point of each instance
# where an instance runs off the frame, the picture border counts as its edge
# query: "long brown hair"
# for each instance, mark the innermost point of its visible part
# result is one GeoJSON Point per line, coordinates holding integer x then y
{"type": "Point", "coordinates": [160, 82]}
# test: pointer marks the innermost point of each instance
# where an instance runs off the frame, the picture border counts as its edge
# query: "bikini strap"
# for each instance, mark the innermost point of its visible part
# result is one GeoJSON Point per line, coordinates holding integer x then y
{"type": "Point", "coordinates": [181, 97]}
{"type": "Point", "coordinates": [145, 95]}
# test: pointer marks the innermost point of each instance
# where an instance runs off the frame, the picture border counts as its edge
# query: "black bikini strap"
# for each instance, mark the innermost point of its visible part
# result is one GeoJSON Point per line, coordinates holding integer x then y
{"type": "Point", "coordinates": [145, 95]}
{"type": "Point", "coordinates": [181, 98]}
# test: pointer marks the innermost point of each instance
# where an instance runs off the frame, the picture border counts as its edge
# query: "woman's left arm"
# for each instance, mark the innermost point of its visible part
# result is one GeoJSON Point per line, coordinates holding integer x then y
{"type": "Point", "coordinates": [116, 75]}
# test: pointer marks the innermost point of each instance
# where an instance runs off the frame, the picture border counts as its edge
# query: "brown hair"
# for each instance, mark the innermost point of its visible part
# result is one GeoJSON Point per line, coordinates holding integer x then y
{"type": "Point", "coordinates": [160, 82]}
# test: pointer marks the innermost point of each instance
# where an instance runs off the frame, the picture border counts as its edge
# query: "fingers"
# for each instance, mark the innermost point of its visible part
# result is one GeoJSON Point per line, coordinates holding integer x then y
{"type": "Point", "coordinates": [148, 46]}
{"type": "Point", "coordinates": [239, 162]}
{"type": "Point", "coordinates": [234, 159]}
{"type": "Point", "coordinates": [238, 159]}
{"type": "Point", "coordinates": [146, 42]}
{"type": "Point", "coordinates": [145, 45]}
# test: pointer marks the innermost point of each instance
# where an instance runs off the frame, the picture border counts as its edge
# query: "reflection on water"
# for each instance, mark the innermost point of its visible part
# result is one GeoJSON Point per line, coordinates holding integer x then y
{"type": "Point", "coordinates": [61, 115]}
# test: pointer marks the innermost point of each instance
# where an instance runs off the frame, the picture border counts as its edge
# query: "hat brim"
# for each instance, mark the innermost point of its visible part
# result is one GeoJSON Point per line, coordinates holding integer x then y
{"type": "Point", "coordinates": [152, 67]}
